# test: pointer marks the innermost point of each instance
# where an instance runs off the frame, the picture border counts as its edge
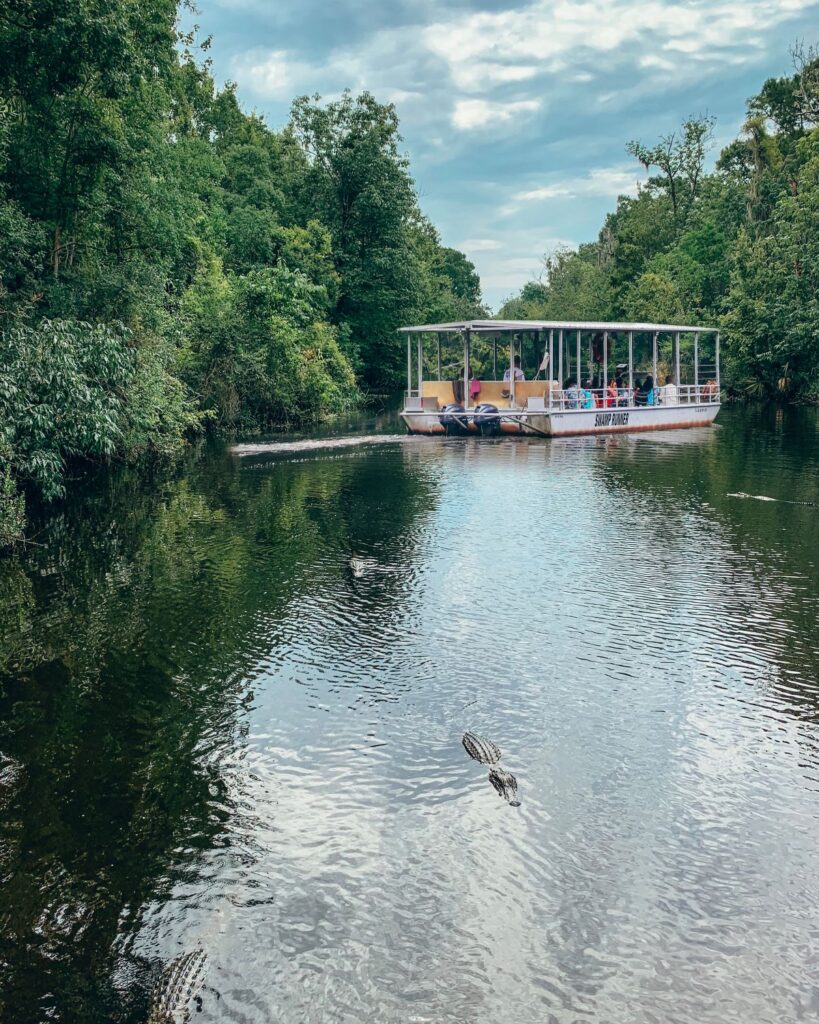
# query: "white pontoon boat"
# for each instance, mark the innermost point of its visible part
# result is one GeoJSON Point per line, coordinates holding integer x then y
{"type": "Point", "coordinates": [561, 377]}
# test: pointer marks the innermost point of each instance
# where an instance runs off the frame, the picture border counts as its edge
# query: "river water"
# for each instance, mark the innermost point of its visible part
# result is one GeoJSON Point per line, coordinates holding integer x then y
{"type": "Point", "coordinates": [215, 735]}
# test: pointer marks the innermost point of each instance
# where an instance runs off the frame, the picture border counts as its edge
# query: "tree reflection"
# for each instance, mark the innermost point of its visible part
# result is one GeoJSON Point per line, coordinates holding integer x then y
{"type": "Point", "coordinates": [126, 660]}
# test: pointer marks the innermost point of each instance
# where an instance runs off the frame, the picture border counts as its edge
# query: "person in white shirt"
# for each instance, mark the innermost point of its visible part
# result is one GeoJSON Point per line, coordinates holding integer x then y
{"type": "Point", "coordinates": [669, 395]}
{"type": "Point", "coordinates": [507, 373]}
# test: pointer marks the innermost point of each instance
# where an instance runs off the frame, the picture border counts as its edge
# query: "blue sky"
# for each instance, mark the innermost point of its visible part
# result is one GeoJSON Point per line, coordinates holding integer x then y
{"type": "Point", "coordinates": [514, 115]}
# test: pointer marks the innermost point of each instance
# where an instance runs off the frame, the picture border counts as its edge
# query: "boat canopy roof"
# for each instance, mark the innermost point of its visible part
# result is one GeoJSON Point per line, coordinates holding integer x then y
{"type": "Point", "coordinates": [491, 326]}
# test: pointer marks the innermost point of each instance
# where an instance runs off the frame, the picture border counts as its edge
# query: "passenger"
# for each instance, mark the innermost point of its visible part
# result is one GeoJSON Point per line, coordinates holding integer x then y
{"type": "Point", "coordinates": [474, 387]}
{"type": "Point", "coordinates": [571, 393]}
{"type": "Point", "coordinates": [650, 392]}
{"type": "Point", "coordinates": [638, 395]}
{"type": "Point", "coordinates": [709, 392]}
{"type": "Point", "coordinates": [669, 394]}
{"type": "Point", "coordinates": [588, 396]}
{"type": "Point", "coordinates": [611, 394]}
{"type": "Point", "coordinates": [622, 392]}
{"type": "Point", "coordinates": [507, 373]}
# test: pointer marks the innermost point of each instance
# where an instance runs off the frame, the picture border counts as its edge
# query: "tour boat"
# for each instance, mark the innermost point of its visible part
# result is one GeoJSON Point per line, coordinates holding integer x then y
{"type": "Point", "coordinates": [561, 377]}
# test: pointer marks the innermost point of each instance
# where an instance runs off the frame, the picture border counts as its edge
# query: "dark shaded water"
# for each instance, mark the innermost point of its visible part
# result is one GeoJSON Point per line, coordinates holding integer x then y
{"type": "Point", "coordinates": [213, 734]}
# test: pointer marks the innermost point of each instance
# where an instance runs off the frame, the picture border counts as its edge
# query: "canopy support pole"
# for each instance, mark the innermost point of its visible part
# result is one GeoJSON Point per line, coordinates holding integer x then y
{"type": "Point", "coordinates": [438, 337]}
{"type": "Point", "coordinates": [420, 363]}
{"type": "Point", "coordinates": [696, 367]}
{"type": "Point", "coordinates": [630, 366]}
{"type": "Point", "coordinates": [495, 358]}
{"type": "Point", "coordinates": [716, 353]}
{"type": "Point", "coordinates": [677, 359]}
{"type": "Point", "coordinates": [654, 360]}
{"type": "Point", "coordinates": [409, 364]}
{"type": "Point", "coordinates": [467, 338]}
{"type": "Point", "coordinates": [577, 382]}
{"type": "Point", "coordinates": [551, 371]}
{"type": "Point", "coordinates": [560, 360]}
{"type": "Point", "coordinates": [605, 381]}
{"type": "Point", "coordinates": [512, 370]}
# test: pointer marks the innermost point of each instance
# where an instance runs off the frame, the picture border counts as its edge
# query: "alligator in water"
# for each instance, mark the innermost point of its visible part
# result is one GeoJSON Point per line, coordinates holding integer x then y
{"type": "Point", "coordinates": [358, 567]}
{"type": "Point", "coordinates": [178, 987]}
{"type": "Point", "coordinates": [506, 784]}
{"type": "Point", "coordinates": [481, 749]}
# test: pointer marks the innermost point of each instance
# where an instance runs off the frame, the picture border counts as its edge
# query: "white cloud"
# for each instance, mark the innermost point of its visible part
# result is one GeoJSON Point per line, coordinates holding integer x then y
{"type": "Point", "coordinates": [602, 181]}
{"type": "Point", "coordinates": [270, 74]}
{"type": "Point", "coordinates": [471, 114]}
{"type": "Point", "coordinates": [478, 245]}
{"type": "Point", "coordinates": [545, 192]}
{"type": "Point", "coordinates": [652, 60]}
{"type": "Point", "coordinates": [480, 77]}
{"type": "Point", "coordinates": [549, 36]}
{"type": "Point", "coordinates": [403, 95]}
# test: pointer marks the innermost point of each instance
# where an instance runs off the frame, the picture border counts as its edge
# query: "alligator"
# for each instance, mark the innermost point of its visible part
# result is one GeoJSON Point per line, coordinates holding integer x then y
{"type": "Point", "coordinates": [481, 749]}
{"type": "Point", "coordinates": [179, 985]}
{"type": "Point", "coordinates": [506, 784]}
{"type": "Point", "coordinates": [358, 567]}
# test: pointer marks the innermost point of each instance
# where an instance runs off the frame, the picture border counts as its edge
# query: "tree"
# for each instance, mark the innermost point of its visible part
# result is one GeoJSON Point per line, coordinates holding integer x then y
{"type": "Point", "coordinates": [464, 284]}
{"type": "Point", "coordinates": [72, 66]}
{"type": "Point", "coordinates": [358, 184]}
{"type": "Point", "coordinates": [772, 321]}
{"type": "Point", "coordinates": [680, 158]}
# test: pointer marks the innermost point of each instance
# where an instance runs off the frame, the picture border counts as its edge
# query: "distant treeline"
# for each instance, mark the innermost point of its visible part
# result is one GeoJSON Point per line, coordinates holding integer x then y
{"type": "Point", "coordinates": [168, 261]}
{"type": "Point", "coordinates": [737, 248]}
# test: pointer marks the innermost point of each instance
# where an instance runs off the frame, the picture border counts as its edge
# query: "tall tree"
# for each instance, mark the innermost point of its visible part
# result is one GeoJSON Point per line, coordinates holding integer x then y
{"type": "Point", "coordinates": [680, 159]}
{"type": "Point", "coordinates": [358, 184]}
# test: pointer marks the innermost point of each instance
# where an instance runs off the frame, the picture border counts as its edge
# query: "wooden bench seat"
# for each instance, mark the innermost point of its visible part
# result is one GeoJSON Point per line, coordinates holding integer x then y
{"type": "Point", "coordinates": [490, 392]}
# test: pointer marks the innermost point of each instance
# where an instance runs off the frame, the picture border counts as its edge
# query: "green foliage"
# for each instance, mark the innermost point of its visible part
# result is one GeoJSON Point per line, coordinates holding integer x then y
{"type": "Point", "coordinates": [460, 286]}
{"type": "Point", "coordinates": [389, 264]}
{"type": "Point", "coordinates": [193, 265]}
{"type": "Point", "coordinates": [738, 247]}
{"type": "Point", "coordinates": [158, 411]}
{"type": "Point", "coordinates": [680, 159]}
{"type": "Point", "coordinates": [773, 304]}
{"type": "Point", "coordinates": [653, 297]}
{"type": "Point", "coordinates": [62, 388]}
{"type": "Point", "coordinates": [259, 350]}
{"type": "Point", "coordinates": [12, 503]}
{"type": "Point", "coordinates": [578, 288]}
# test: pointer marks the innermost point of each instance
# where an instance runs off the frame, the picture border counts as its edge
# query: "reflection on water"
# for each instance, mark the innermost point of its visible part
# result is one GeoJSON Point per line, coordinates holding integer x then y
{"type": "Point", "coordinates": [215, 734]}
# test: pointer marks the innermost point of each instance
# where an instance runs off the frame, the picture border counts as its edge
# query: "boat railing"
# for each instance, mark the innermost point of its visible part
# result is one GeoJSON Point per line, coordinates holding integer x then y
{"type": "Point", "coordinates": [625, 398]}
{"type": "Point", "coordinates": [572, 399]}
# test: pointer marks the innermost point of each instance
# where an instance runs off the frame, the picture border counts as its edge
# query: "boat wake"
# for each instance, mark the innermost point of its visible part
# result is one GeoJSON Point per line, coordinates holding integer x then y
{"type": "Point", "coordinates": [317, 443]}
{"type": "Point", "coordinates": [764, 497]}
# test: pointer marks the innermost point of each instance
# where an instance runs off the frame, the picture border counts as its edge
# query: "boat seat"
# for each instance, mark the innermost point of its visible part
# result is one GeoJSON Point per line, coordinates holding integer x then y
{"type": "Point", "coordinates": [490, 391]}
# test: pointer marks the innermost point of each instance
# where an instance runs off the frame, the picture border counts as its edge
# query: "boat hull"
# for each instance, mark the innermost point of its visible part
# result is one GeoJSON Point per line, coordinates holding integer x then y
{"type": "Point", "coordinates": [574, 422]}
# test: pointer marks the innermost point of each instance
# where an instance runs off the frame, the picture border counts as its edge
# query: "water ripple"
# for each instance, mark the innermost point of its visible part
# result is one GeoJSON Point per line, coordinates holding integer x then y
{"type": "Point", "coordinates": [280, 777]}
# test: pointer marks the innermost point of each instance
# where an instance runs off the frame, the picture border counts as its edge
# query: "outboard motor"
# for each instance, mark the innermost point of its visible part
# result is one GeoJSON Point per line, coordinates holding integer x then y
{"type": "Point", "coordinates": [487, 419]}
{"type": "Point", "coordinates": [453, 419]}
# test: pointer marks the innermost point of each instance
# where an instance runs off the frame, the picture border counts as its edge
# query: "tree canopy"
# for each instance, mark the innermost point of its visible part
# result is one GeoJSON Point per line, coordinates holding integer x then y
{"type": "Point", "coordinates": [737, 247]}
{"type": "Point", "coordinates": [217, 271]}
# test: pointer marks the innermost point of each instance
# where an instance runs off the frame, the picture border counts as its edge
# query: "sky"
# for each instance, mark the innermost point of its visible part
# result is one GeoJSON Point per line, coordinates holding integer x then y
{"type": "Point", "coordinates": [514, 116]}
